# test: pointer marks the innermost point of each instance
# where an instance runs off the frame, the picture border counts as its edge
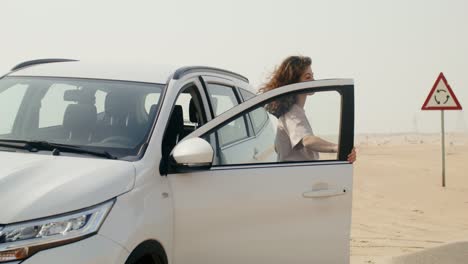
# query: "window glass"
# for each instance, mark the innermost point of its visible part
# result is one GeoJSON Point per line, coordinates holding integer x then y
{"type": "Point", "coordinates": [53, 105]}
{"type": "Point", "coordinates": [323, 110]}
{"type": "Point", "coordinates": [246, 94]}
{"type": "Point", "coordinates": [150, 100]}
{"type": "Point", "coordinates": [98, 115]}
{"type": "Point", "coordinates": [222, 98]}
{"type": "Point", "coordinates": [288, 131]}
{"type": "Point", "coordinates": [233, 132]}
{"type": "Point", "coordinates": [100, 101]}
{"type": "Point", "coordinates": [259, 119]}
{"type": "Point", "coordinates": [183, 119]}
{"type": "Point", "coordinates": [10, 101]}
{"type": "Point", "coordinates": [184, 101]}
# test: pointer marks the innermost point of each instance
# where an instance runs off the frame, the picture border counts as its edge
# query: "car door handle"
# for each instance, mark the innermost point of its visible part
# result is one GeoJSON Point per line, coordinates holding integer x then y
{"type": "Point", "coordinates": [324, 193]}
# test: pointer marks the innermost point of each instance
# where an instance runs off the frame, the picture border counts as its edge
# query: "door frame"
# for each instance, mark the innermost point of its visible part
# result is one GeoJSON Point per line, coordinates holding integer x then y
{"type": "Point", "coordinates": [344, 86]}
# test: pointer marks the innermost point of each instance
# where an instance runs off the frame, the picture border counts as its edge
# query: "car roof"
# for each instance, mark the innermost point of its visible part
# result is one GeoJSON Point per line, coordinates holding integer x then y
{"type": "Point", "coordinates": [141, 72]}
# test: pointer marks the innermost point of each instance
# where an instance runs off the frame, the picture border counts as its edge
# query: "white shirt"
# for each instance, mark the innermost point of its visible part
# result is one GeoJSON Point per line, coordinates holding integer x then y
{"type": "Point", "coordinates": [293, 126]}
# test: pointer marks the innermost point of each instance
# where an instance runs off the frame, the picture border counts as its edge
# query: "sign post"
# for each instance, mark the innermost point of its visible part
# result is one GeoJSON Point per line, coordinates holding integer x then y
{"type": "Point", "coordinates": [441, 97]}
{"type": "Point", "coordinates": [443, 148]}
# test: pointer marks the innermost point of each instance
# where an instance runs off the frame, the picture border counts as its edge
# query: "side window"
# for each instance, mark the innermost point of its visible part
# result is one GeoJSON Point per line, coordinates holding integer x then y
{"type": "Point", "coordinates": [233, 132]}
{"type": "Point", "coordinates": [9, 105]}
{"type": "Point", "coordinates": [286, 131]}
{"type": "Point", "coordinates": [53, 105]}
{"type": "Point", "coordinates": [259, 119]}
{"type": "Point", "coordinates": [246, 94]}
{"type": "Point", "coordinates": [186, 116]}
{"type": "Point", "coordinates": [184, 101]}
{"type": "Point", "coordinates": [222, 98]}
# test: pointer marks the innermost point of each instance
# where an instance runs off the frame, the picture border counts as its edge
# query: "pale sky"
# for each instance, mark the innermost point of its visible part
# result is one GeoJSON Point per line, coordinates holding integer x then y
{"type": "Point", "coordinates": [394, 50]}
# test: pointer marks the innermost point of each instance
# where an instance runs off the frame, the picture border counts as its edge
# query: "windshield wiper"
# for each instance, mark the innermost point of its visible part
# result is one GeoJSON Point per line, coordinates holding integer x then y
{"type": "Point", "coordinates": [34, 146]}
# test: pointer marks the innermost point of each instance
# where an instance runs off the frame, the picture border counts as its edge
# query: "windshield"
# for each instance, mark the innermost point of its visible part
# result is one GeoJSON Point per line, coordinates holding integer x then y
{"type": "Point", "coordinates": [102, 115]}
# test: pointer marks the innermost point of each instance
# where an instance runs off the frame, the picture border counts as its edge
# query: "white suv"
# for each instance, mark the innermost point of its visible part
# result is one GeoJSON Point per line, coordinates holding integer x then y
{"type": "Point", "coordinates": [146, 164]}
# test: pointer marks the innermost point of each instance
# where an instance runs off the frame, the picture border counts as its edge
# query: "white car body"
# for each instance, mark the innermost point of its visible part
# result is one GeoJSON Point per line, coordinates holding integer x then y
{"type": "Point", "coordinates": [259, 213]}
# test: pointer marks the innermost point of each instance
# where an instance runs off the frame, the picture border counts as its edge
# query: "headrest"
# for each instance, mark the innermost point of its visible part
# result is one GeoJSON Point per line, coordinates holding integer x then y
{"type": "Point", "coordinates": [176, 123]}
{"type": "Point", "coordinates": [178, 113]}
{"type": "Point", "coordinates": [80, 117]}
{"type": "Point", "coordinates": [193, 112]}
{"type": "Point", "coordinates": [118, 104]}
{"type": "Point", "coordinates": [152, 111]}
{"type": "Point", "coordinates": [79, 96]}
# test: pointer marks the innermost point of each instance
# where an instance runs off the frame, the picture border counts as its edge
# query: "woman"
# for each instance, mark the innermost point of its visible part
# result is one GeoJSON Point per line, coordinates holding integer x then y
{"type": "Point", "coordinates": [295, 140]}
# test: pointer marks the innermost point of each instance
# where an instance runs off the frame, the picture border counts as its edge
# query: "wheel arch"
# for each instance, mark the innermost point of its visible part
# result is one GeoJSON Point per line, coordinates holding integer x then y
{"type": "Point", "coordinates": [148, 248]}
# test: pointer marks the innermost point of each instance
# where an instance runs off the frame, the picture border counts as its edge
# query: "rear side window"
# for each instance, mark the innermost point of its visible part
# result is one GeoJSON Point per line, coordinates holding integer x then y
{"type": "Point", "coordinates": [233, 132]}
{"type": "Point", "coordinates": [246, 94]}
{"type": "Point", "coordinates": [259, 119]}
{"type": "Point", "coordinates": [222, 98]}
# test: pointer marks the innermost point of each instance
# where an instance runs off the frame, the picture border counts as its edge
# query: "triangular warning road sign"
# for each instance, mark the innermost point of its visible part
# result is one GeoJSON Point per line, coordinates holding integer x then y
{"type": "Point", "coordinates": [441, 97]}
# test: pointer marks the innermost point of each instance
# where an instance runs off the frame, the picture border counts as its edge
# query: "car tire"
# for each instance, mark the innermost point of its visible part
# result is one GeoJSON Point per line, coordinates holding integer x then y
{"type": "Point", "coordinates": [148, 252]}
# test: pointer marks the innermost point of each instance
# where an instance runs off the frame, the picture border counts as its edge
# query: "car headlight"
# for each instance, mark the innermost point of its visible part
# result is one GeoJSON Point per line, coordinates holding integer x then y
{"type": "Point", "coordinates": [21, 240]}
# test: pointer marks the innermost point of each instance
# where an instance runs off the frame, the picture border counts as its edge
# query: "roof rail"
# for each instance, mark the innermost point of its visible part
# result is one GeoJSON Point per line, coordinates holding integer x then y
{"type": "Point", "coordinates": [36, 62]}
{"type": "Point", "coordinates": [186, 70]}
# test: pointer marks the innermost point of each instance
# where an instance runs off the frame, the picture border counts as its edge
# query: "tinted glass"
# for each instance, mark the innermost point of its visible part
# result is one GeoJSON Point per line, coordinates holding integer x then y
{"type": "Point", "coordinates": [259, 119]}
{"type": "Point", "coordinates": [53, 105]}
{"type": "Point", "coordinates": [285, 131]}
{"type": "Point", "coordinates": [233, 132]}
{"type": "Point", "coordinates": [222, 98]}
{"type": "Point", "coordinates": [113, 116]}
{"type": "Point", "coordinates": [246, 94]}
{"type": "Point", "coordinates": [10, 101]}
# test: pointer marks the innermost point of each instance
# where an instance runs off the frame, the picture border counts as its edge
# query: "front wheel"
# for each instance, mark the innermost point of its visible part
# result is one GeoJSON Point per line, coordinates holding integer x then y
{"type": "Point", "coordinates": [148, 259]}
{"type": "Point", "coordinates": [148, 252]}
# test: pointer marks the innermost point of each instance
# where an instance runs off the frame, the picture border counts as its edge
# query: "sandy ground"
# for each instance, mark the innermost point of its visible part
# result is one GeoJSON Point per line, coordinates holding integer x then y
{"type": "Point", "coordinates": [399, 205]}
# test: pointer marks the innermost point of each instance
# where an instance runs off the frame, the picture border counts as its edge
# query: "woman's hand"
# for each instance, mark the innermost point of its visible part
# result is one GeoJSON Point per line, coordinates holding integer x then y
{"type": "Point", "coordinates": [352, 156]}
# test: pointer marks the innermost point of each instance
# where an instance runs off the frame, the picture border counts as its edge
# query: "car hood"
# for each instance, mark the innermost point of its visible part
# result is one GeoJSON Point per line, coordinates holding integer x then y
{"type": "Point", "coordinates": [35, 185]}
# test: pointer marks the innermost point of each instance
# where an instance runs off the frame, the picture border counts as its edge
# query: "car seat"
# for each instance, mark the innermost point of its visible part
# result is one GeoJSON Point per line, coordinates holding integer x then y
{"type": "Point", "coordinates": [79, 122]}
{"type": "Point", "coordinates": [174, 130]}
{"type": "Point", "coordinates": [194, 114]}
{"type": "Point", "coordinates": [152, 113]}
{"type": "Point", "coordinates": [118, 109]}
{"type": "Point", "coordinates": [119, 118]}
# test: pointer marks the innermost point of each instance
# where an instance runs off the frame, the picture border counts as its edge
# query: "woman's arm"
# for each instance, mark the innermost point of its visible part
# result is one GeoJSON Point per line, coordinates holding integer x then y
{"type": "Point", "coordinates": [317, 144]}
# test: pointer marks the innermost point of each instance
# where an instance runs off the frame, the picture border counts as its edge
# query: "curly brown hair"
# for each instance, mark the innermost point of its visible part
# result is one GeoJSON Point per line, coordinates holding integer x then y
{"type": "Point", "coordinates": [289, 72]}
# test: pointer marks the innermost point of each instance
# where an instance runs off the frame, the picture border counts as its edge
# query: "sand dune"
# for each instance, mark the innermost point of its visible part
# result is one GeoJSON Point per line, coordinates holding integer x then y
{"type": "Point", "coordinates": [399, 206]}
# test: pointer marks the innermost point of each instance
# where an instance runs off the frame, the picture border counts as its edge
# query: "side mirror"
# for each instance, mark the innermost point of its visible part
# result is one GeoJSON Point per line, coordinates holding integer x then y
{"type": "Point", "coordinates": [192, 154]}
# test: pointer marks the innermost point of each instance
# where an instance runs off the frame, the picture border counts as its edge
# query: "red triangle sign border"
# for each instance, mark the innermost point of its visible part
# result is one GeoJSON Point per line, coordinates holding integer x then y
{"type": "Point", "coordinates": [441, 78]}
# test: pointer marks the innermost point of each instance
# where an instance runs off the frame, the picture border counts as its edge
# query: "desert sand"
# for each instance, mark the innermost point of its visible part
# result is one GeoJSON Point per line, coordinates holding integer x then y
{"type": "Point", "coordinates": [399, 206]}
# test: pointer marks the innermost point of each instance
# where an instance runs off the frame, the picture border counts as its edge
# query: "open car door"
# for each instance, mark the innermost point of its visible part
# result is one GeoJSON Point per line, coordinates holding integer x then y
{"type": "Point", "coordinates": [245, 203]}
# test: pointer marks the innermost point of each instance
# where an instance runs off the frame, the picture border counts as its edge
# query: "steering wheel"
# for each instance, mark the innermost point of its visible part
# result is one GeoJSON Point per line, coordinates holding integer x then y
{"type": "Point", "coordinates": [118, 140]}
